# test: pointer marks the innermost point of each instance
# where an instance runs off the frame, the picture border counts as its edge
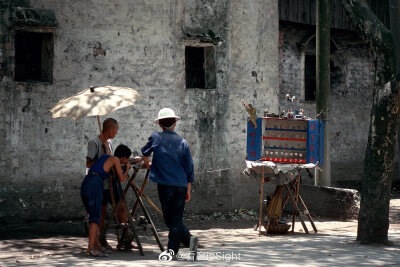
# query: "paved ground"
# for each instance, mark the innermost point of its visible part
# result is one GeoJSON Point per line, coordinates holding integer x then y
{"type": "Point", "coordinates": [227, 243]}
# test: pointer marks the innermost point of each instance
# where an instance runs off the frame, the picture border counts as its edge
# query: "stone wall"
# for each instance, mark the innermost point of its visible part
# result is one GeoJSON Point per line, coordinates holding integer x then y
{"type": "Point", "coordinates": [136, 44]}
{"type": "Point", "coordinates": [350, 95]}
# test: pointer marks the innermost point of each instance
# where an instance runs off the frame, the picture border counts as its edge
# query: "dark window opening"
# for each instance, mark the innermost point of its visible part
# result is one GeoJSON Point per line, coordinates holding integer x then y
{"type": "Point", "coordinates": [200, 67]}
{"type": "Point", "coordinates": [194, 57]}
{"type": "Point", "coordinates": [310, 78]}
{"type": "Point", "coordinates": [33, 57]}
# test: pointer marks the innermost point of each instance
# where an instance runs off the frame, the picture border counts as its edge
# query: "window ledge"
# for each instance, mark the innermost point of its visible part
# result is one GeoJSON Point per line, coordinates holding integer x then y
{"type": "Point", "coordinates": [31, 82]}
{"type": "Point", "coordinates": [208, 89]}
{"type": "Point", "coordinates": [196, 42]}
{"type": "Point", "coordinates": [307, 101]}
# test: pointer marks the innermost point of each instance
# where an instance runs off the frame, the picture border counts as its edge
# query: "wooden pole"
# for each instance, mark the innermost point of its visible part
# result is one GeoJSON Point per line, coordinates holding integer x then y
{"type": "Point", "coordinates": [98, 121]}
{"type": "Point", "coordinates": [261, 201]}
{"type": "Point", "coordinates": [108, 150]}
{"type": "Point", "coordinates": [140, 192]}
{"type": "Point", "coordinates": [323, 81]}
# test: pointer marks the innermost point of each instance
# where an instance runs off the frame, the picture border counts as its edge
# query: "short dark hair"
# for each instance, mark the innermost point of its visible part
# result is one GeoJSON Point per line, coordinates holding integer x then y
{"type": "Point", "coordinates": [122, 151]}
{"type": "Point", "coordinates": [167, 122]}
{"type": "Point", "coordinates": [108, 123]}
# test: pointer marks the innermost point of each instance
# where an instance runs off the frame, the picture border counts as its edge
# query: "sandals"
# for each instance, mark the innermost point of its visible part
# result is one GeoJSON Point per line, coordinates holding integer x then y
{"type": "Point", "coordinates": [96, 253]}
{"type": "Point", "coordinates": [105, 250]}
{"type": "Point", "coordinates": [105, 244]}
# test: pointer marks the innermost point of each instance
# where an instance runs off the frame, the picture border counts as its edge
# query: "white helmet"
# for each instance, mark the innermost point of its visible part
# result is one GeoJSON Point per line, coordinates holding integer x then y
{"type": "Point", "coordinates": [166, 113]}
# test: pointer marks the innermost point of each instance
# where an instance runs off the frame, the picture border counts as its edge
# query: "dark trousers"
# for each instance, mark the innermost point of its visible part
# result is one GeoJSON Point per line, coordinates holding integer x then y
{"type": "Point", "coordinates": [172, 199]}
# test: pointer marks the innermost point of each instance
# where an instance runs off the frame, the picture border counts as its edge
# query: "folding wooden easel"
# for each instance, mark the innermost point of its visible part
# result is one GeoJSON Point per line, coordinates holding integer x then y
{"type": "Point", "coordinates": [131, 223]}
{"type": "Point", "coordinates": [292, 190]}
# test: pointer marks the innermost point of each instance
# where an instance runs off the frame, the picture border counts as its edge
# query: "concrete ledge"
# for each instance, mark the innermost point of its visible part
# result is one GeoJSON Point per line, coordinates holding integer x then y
{"type": "Point", "coordinates": [331, 202]}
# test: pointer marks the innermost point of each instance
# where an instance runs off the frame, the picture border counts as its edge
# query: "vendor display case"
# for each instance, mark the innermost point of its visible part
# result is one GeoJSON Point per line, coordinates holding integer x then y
{"type": "Point", "coordinates": [279, 140]}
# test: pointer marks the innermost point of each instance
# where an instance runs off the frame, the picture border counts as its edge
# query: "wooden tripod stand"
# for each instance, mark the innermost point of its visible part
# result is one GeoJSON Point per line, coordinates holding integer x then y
{"type": "Point", "coordinates": [131, 222]}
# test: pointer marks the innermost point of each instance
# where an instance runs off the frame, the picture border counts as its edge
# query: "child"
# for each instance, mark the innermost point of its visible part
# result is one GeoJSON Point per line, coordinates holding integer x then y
{"type": "Point", "coordinates": [172, 170]}
{"type": "Point", "coordinates": [92, 192]}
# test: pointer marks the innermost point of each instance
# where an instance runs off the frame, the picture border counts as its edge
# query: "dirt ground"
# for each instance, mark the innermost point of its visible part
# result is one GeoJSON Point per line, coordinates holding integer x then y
{"type": "Point", "coordinates": [227, 239]}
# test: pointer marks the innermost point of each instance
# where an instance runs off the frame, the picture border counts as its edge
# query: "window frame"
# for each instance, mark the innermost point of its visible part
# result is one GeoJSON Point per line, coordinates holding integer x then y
{"type": "Point", "coordinates": [310, 78]}
{"type": "Point", "coordinates": [208, 65]}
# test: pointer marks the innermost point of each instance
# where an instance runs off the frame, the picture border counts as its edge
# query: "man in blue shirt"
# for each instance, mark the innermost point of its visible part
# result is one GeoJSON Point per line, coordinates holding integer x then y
{"type": "Point", "coordinates": [172, 170]}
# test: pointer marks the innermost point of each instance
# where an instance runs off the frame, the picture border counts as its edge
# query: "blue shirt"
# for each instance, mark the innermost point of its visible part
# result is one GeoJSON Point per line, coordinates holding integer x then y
{"type": "Point", "coordinates": [172, 162]}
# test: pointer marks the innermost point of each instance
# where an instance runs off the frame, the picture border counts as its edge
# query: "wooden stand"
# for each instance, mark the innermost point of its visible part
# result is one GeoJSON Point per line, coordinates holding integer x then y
{"type": "Point", "coordinates": [292, 190]}
{"type": "Point", "coordinates": [131, 223]}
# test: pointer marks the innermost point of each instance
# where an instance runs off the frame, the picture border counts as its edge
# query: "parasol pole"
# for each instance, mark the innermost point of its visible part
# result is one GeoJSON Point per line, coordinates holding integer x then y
{"type": "Point", "coordinates": [101, 132]}
{"type": "Point", "coordinates": [101, 136]}
{"type": "Point", "coordinates": [98, 119]}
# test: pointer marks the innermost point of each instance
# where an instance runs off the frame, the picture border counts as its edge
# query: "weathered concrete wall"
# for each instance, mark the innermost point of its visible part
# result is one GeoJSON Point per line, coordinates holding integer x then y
{"type": "Point", "coordinates": [140, 43]}
{"type": "Point", "coordinates": [254, 77]}
{"type": "Point", "coordinates": [350, 96]}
